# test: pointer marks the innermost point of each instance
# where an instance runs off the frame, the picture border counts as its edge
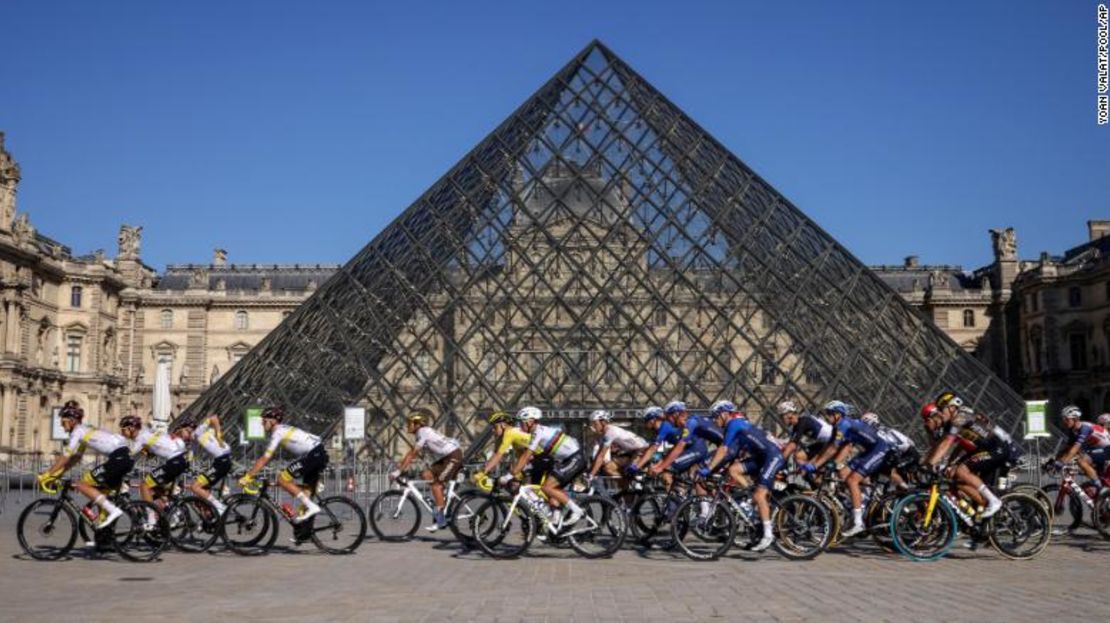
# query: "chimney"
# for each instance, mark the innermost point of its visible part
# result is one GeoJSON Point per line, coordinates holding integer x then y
{"type": "Point", "coordinates": [911, 261]}
{"type": "Point", "coordinates": [1097, 229]}
{"type": "Point", "coordinates": [219, 257]}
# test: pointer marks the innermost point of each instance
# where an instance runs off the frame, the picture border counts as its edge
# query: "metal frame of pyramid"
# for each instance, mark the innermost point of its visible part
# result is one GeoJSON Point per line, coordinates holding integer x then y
{"type": "Point", "coordinates": [599, 249]}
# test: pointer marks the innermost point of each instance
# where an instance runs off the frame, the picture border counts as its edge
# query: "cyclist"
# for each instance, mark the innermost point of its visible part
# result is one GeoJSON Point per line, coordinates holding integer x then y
{"type": "Point", "coordinates": [163, 445]}
{"type": "Point", "coordinates": [622, 445]}
{"type": "Point", "coordinates": [107, 475]}
{"type": "Point", "coordinates": [809, 434]}
{"type": "Point", "coordinates": [951, 427]}
{"type": "Point", "coordinates": [1088, 442]}
{"type": "Point", "coordinates": [209, 437]}
{"type": "Point", "coordinates": [1104, 421]}
{"type": "Point", "coordinates": [311, 459]}
{"type": "Point", "coordinates": [851, 433]}
{"type": "Point", "coordinates": [566, 462]}
{"type": "Point", "coordinates": [447, 458]}
{"type": "Point", "coordinates": [509, 437]}
{"type": "Point", "coordinates": [763, 459]}
{"type": "Point", "coordinates": [666, 434]}
{"type": "Point", "coordinates": [903, 456]}
{"type": "Point", "coordinates": [692, 445]}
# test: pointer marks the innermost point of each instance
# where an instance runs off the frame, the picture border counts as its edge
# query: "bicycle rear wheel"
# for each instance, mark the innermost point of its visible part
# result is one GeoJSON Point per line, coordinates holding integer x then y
{"type": "Point", "coordinates": [802, 527]}
{"type": "Point", "coordinates": [47, 530]}
{"type": "Point", "coordinates": [915, 539]}
{"type": "Point", "coordinates": [601, 530]}
{"type": "Point", "coordinates": [703, 528]}
{"type": "Point", "coordinates": [1101, 513]}
{"type": "Point", "coordinates": [1021, 529]}
{"type": "Point", "coordinates": [141, 533]}
{"type": "Point", "coordinates": [194, 524]}
{"type": "Point", "coordinates": [248, 527]}
{"type": "Point", "coordinates": [1066, 509]}
{"type": "Point", "coordinates": [878, 521]}
{"type": "Point", "coordinates": [503, 533]}
{"type": "Point", "coordinates": [394, 516]}
{"type": "Point", "coordinates": [339, 527]}
{"type": "Point", "coordinates": [462, 513]}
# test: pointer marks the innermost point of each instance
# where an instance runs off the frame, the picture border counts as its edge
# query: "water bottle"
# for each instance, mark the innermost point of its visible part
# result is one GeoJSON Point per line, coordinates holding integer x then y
{"type": "Point", "coordinates": [287, 509]}
{"type": "Point", "coordinates": [89, 511]}
{"type": "Point", "coordinates": [748, 509]}
{"type": "Point", "coordinates": [535, 502]}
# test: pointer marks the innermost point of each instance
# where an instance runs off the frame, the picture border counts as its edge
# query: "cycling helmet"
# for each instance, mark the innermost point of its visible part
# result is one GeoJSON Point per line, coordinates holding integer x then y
{"type": "Point", "coordinates": [723, 406]}
{"type": "Point", "coordinates": [129, 421]}
{"type": "Point", "coordinates": [928, 410]}
{"type": "Point", "coordinates": [273, 413]}
{"type": "Point", "coordinates": [787, 406]}
{"type": "Point", "coordinates": [499, 417]}
{"type": "Point", "coordinates": [835, 406]}
{"type": "Point", "coordinates": [71, 410]}
{"type": "Point", "coordinates": [601, 415]}
{"type": "Point", "coordinates": [870, 418]}
{"type": "Point", "coordinates": [1104, 420]}
{"type": "Point", "coordinates": [652, 412]}
{"type": "Point", "coordinates": [529, 413]}
{"type": "Point", "coordinates": [948, 399]}
{"type": "Point", "coordinates": [1071, 412]}
{"type": "Point", "coordinates": [674, 406]}
{"type": "Point", "coordinates": [418, 418]}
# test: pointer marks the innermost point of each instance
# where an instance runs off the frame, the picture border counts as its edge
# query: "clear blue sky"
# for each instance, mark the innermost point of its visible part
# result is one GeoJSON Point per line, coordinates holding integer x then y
{"type": "Point", "coordinates": [294, 131]}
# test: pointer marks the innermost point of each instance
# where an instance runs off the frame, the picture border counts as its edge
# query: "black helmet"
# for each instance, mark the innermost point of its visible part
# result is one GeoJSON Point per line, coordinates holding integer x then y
{"type": "Point", "coordinates": [130, 420]}
{"type": "Point", "coordinates": [273, 413]}
{"type": "Point", "coordinates": [71, 410]}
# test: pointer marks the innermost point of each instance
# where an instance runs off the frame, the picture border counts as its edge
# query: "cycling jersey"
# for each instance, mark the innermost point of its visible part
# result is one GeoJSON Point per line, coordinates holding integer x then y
{"type": "Point", "coordinates": [207, 439]}
{"type": "Point", "coordinates": [700, 427]}
{"type": "Point", "coordinates": [514, 439]}
{"type": "Point", "coordinates": [741, 435]}
{"type": "Point", "coordinates": [158, 443]}
{"type": "Point", "coordinates": [84, 436]}
{"type": "Point", "coordinates": [858, 433]}
{"type": "Point", "coordinates": [811, 430]}
{"type": "Point", "coordinates": [1089, 435]}
{"type": "Point", "coordinates": [437, 443]}
{"type": "Point", "coordinates": [975, 434]}
{"type": "Point", "coordinates": [553, 442]}
{"type": "Point", "coordinates": [293, 439]}
{"type": "Point", "coordinates": [895, 439]}
{"type": "Point", "coordinates": [625, 440]}
{"type": "Point", "coordinates": [667, 434]}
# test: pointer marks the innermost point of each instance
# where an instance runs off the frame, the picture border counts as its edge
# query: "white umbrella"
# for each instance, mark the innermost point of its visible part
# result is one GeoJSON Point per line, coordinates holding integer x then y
{"type": "Point", "coordinates": [162, 394]}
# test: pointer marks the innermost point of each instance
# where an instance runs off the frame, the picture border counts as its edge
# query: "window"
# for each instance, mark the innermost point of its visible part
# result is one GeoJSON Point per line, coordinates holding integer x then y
{"type": "Point", "coordinates": [1036, 347]}
{"type": "Point", "coordinates": [969, 318]}
{"type": "Point", "coordinates": [660, 317]}
{"type": "Point", "coordinates": [242, 323]}
{"type": "Point", "coordinates": [73, 352]}
{"type": "Point", "coordinates": [1035, 300]}
{"type": "Point", "coordinates": [75, 296]}
{"type": "Point", "coordinates": [770, 373]}
{"type": "Point", "coordinates": [1077, 346]}
{"type": "Point", "coordinates": [237, 354]}
{"type": "Point", "coordinates": [166, 319]}
{"type": "Point", "coordinates": [1075, 296]}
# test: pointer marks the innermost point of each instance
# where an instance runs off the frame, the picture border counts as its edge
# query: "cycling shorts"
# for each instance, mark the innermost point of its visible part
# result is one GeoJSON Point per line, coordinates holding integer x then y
{"type": "Point", "coordinates": [221, 465]}
{"type": "Point", "coordinates": [166, 473]}
{"type": "Point", "coordinates": [110, 473]}
{"type": "Point", "coordinates": [308, 467]}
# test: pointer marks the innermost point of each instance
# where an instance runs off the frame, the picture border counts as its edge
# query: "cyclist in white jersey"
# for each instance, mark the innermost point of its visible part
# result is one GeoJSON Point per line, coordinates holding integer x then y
{"type": "Point", "coordinates": [209, 437]}
{"type": "Point", "coordinates": [447, 458]}
{"type": "Point", "coordinates": [162, 445]}
{"type": "Point", "coordinates": [903, 456]}
{"type": "Point", "coordinates": [566, 463]}
{"type": "Point", "coordinates": [106, 475]}
{"type": "Point", "coordinates": [311, 459]}
{"type": "Point", "coordinates": [621, 444]}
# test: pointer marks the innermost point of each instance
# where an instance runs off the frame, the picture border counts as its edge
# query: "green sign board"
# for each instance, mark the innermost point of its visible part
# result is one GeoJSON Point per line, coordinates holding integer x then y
{"type": "Point", "coordinates": [252, 424]}
{"type": "Point", "coordinates": [1036, 419]}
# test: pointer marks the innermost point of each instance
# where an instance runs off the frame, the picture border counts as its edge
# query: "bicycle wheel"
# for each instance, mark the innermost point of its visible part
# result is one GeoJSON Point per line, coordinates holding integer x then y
{"type": "Point", "coordinates": [878, 521]}
{"type": "Point", "coordinates": [1101, 513]}
{"type": "Point", "coordinates": [836, 513]}
{"type": "Point", "coordinates": [601, 530]}
{"type": "Point", "coordinates": [703, 528]}
{"type": "Point", "coordinates": [459, 520]}
{"type": "Point", "coordinates": [1021, 529]}
{"type": "Point", "coordinates": [339, 527]}
{"type": "Point", "coordinates": [650, 520]}
{"type": "Point", "coordinates": [915, 539]}
{"type": "Point", "coordinates": [394, 516]}
{"type": "Point", "coordinates": [193, 523]}
{"type": "Point", "coordinates": [1036, 493]}
{"type": "Point", "coordinates": [141, 533]}
{"type": "Point", "coordinates": [47, 529]}
{"type": "Point", "coordinates": [802, 527]}
{"type": "Point", "coordinates": [248, 527]}
{"type": "Point", "coordinates": [1067, 509]}
{"type": "Point", "coordinates": [503, 533]}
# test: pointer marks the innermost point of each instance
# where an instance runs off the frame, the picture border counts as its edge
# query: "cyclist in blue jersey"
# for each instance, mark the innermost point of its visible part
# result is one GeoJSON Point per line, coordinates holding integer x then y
{"type": "Point", "coordinates": [666, 433]}
{"type": "Point", "coordinates": [762, 460]}
{"type": "Point", "coordinates": [1088, 443]}
{"type": "Point", "coordinates": [851, 433]}
{"type": "Point", "coordinates": [692, 447]}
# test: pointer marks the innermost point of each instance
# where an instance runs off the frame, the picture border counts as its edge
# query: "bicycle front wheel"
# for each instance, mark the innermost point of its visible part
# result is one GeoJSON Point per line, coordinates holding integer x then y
{"type": "Point", "coordinates": [703, 528]}
{"type": "Point", "coordinates": [1067, 509]}
{"type": "Point", "coordinates": [601, 530]}
{"type": "Point", "coordinates": [394, 516]}
{"type": "Point", "coordinates": [802, 526]}
{"type": "Point", "coordinates": [141, 533]}
{"type": "Point", "coordinates": [339, 527]}
{"type": "Point", "coordinates": [1021, 529]}
{"type": "Point", "coordinates": [917, 539]}
{"type": "Point", "coordinates": [194, 524]}
{"type": "Point", "coordinates": [1101, 513]}
{"type": "Point", "coordinates": [463, 511]}
{"type": "Point", "coordinates": [502, 533]}
{"type": "Point", "coordinates": [248, 527]}
{"type": "Point", "coordinates": [47, 530]}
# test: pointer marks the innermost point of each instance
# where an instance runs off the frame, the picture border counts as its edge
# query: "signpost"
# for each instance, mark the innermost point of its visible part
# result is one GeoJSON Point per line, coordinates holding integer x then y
{"type": "Point", "coordinates": [354, 423]}
{"type": "Point", "coordinates": [57, 433]}
{"type": "Point", "coordinates": [252, 424]}
{"type": "Point", "coordinates": [1036, 420]}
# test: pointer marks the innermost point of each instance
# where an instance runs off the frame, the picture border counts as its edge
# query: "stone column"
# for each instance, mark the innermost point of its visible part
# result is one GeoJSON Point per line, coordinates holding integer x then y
{"type": "Point", "coordinates": [12, 341]}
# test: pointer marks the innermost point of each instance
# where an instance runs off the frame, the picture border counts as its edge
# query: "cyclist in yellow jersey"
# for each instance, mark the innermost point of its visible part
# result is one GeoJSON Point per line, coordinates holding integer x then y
{"type": "Point", "coordinates": [508, 437]}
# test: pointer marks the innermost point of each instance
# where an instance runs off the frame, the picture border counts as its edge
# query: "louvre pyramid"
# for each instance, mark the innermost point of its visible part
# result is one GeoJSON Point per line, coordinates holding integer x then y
{"type": "Point", "coordinates": [599, 248]}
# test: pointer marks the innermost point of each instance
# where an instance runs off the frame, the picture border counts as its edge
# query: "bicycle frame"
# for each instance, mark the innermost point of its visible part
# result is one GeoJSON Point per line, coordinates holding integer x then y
{"type": "Point", "coordinates": [408, 487]}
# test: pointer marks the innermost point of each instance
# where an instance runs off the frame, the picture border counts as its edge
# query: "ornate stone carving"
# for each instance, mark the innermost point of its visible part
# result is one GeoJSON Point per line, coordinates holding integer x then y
{"type": "Point", "coordinates": [22, 230]}
{"type": "Point", "coordinates": [1005, 243]}
{"type": "Point", "coordinates": [130, 239]}
{"type": "Point", "coordinates": [198, 279]}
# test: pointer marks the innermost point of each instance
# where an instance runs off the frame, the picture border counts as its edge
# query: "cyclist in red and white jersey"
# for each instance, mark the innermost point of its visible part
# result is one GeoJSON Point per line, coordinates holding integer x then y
{"type": "Point", "coordinates": [1088, 443]}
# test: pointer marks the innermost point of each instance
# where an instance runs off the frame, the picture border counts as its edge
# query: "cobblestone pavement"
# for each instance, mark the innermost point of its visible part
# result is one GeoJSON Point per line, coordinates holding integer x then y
{"type": "Point", "coordinates": [431, 580]}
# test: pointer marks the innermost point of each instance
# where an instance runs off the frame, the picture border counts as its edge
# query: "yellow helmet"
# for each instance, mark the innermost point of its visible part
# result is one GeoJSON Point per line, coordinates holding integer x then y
{"type": "Point", "coordinates": [500, 417]}
{"type": "Point", "coordinates": [418, 418]}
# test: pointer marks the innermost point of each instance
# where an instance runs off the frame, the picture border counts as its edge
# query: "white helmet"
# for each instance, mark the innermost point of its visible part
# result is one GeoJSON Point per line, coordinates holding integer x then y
{"type": "Point", "coordinates": [1071, 411]}
{"type": "Point", "coordinates": [601, 415]}
{"type": "Point", "coordinates": [529, 413]}
{"type": "Point", "coordinates": [870, 418]}
{"type": "Point", "coordinates": [1104, 420]}
{"type": "Point", "coordinates": [788, 406]}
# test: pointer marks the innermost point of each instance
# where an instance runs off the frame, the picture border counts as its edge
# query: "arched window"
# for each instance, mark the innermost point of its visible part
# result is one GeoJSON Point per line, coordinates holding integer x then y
{"type": "Point", "coordinates": [969, 317]}
{"type": "Point", "coordinates": [242, 323]}
{"type": "Point", "coordinates": [75, 296]}
{"type": "Point", "coordinates": [167, 318]}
